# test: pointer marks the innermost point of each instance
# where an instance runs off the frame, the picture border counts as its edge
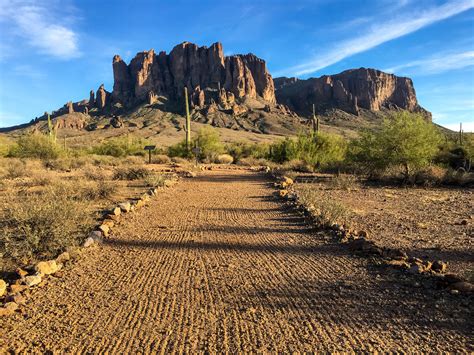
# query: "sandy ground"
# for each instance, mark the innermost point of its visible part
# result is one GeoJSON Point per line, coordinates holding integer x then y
{"type": "Point", "coordinates": [432, 223]}
{"type": "Point", "coordinates": [216, 264]}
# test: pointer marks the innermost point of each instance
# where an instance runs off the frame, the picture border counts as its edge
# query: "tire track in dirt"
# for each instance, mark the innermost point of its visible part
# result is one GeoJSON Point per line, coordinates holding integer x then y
{"type": "Point", "coordinates": [217, 265]}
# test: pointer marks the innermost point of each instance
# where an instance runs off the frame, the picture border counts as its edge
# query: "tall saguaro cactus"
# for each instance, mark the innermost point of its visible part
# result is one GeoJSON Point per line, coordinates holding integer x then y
{"type": "Point", "coordinates": [315, 121]}
{"type": "Point", "coordinates": [187, 129]}
{"type": "Point", "coordinates": [51, 129]}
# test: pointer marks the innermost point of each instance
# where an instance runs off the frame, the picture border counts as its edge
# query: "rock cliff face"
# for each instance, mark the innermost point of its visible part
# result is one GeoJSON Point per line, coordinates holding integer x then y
{"type": "Point", "coordinates": [204, 71]}
{"type": "Point", "coordinates": [349, 91]}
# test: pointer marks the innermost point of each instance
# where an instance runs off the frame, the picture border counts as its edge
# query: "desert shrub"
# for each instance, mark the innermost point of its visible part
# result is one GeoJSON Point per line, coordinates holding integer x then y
{"type": "Point", "coordinates": [343, 181]}
{"type": "Point", "coordinates": [179, 160]}
{"type": "Point", "coordinates": [94, 174]}
{"type": "Point", "coordinates": [131, 173]}
{"type": "Point", "coordinates": [65, 163]}
{"type": "Point", "coordinates": [298, 165]}
{"type": "Point", "coordinates": [16, 169]}
{"type": "Point", "coordinates": [243, 150]}
{"type": "Point", "coordinates": [43, 224]}
{"type": "Point", "coordinates": [99, 190]}
{"type": "Point", "coordinates": [121, 146]}
{"type": "Point", "coordinates": [251, 161]}
{"type": "Point", "coordinates": [458, 178]}
{"type": "Point", "coordinates": [316, 150]}
{"type": "Point", "coordinates": [179, 150]}
{"type": "Point", "coordinates": [326, 210]}
{"type": "Point", "coordinates": [155, 180]}
{"type": "Point", "coordinates": [406, 139]}
{"type": "Point", "coordinates": [224, 159]}
{"type": "Point", "coordinates": [430, 176]}
{"type": "Point", "coordinates": [209, 142]}
{"type": "Point", "coordinates": [35, 146]}
{"type": "Point", "coordinates": [133, 160]}
{"type": "Point", "coordinates": [5, 145]}
{"type": "Point", "coordinates": [161, 159]}
{"type": "Point", "coordinates": [207, 139]}
{"type": "Point", "coordinates": [99, 160]}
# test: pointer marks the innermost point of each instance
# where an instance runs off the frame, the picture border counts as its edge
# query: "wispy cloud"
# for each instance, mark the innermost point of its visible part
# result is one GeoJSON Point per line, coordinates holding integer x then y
{"type": "Point", "coordinates": [41, 27]}
{"type": "Point", "coordinates": [438, 64]}
{"type": "Point", "coordinates": [382, 32]}
{"type": "Point", "coordinates": [466, 126]}
{"type": "Point", "coordinates": [28, 71]}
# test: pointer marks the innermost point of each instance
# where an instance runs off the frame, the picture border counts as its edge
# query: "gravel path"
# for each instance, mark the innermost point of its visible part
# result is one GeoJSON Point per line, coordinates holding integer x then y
{"type": "Point", "coordinates": [217, 264]}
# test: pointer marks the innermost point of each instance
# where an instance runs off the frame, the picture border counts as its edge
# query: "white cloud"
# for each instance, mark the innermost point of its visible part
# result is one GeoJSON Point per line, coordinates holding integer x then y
{"type": "Point", "coordinates": [466, 126]}
{"type": "Point", "coordinates": [438, 64]}
{"type": "Point", "coordinates": [41, 27]}
{"type": "Point", "coordinates": [382, 32]}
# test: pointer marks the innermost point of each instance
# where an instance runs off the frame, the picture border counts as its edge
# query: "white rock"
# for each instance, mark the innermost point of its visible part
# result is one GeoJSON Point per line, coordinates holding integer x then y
{"type": "Point", "coordinates": [125, 206]}
{"type": "Point", "coordinates": [32, 280]}
{"type": "Point", "coordinates": [88, 242]}
{"type": "Point", "coordinates": [46, 267]}
{"type": "Point", "coordinates": [3, 287]}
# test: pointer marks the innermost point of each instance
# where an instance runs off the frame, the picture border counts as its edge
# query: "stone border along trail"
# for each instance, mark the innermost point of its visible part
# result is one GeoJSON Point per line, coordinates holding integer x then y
{"type": "Point", "coordinates": [218, 264]}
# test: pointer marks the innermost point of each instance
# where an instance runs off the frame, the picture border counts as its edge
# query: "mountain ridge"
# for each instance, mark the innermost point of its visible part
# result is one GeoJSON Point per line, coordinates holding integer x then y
{"type": "Point", "coordinates": [235, 91]}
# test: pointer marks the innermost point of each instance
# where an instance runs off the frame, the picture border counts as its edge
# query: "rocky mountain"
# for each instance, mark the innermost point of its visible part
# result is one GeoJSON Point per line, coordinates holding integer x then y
{"type": "Point", "coordinates": [234, 92]}
{"type": "Point", "coordinates": [208, 75]}
{"type": "Point", "coordinates": [348, 91]}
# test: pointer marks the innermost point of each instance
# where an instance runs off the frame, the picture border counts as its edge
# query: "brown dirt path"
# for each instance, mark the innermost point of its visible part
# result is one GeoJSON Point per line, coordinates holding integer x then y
{"type": "Point", "coordinates": [216, 264]}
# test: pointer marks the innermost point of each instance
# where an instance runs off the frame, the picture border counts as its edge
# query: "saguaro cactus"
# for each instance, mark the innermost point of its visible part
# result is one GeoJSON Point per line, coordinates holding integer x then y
{"type": "Point", "coordinates": [315, 121]}
{"type": "Point", "coordinates": [187, 129]}
{"type": "Point", "coordinates": [51, 129]}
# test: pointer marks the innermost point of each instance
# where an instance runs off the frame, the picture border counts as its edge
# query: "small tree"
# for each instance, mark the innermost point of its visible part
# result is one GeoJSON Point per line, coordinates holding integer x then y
{"type": "Point", "coordinates": [35, 146]}
{"type": "Point", "coordinates": [209, 142]}
{"type": "Point", "coordinates": [315, 149]}
{"type": "Point", "coordinates": [406, 139]}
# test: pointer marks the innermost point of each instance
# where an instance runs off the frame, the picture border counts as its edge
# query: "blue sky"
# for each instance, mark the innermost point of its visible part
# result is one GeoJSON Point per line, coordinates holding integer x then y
{"type": "Point", "coordinates": [54, 51]}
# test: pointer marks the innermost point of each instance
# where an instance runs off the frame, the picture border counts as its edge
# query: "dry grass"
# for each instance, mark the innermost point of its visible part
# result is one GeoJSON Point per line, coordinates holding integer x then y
{"type": "Point", "coordinates": [224, 159]}
{"type": "Point", "coordinates": [45, 208]}
{"type": "Point", "coordinates": [326, 210]}
{"type": "Point", "coordinates": [42, 224]}
{"type": "Point", "coordinates": [161, 159]}
{"type": "Point", "coordinates": [131, 173]}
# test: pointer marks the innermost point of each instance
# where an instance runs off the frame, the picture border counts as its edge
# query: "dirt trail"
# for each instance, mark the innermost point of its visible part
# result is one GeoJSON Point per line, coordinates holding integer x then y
{"type": "Point", "coordinates": [216, 264]}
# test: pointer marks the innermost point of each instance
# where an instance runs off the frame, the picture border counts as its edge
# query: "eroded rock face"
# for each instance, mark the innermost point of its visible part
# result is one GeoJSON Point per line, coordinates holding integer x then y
{"type": "Point", "coordinates": [101, 97]}
{"type": "Point", "coordinates": [204, 71]}
{"type": "Point", "coordinates": [91, 99]}
{"type": "Point", "coordinates": [74, 120]}
{"type": "Point", "coordinates": [349, 91]}
{"type": "Point", "coordinates": [70, 108]}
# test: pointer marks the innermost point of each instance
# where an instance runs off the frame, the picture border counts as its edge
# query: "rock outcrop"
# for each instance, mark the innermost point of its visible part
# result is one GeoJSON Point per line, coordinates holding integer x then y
{"type": "Point", "coordinates": [349, 91]}
{"type": "Point", "coordinates": [204, 71]}
{"type": "Point", "coordinates": [102, 97]}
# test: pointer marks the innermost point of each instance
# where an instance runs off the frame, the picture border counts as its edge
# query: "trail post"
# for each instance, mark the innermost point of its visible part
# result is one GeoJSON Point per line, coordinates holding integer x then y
{"type": "Point", "coordinates": [150, 148]}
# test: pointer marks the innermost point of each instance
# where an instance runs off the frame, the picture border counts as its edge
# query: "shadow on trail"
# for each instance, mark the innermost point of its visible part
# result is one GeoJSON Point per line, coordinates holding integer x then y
{"type": "Point", "coordinates": [383, 305]}
{"type": "Point", "coordinates": [238, 177]}
{"type": "Point", "coordinates": [224, 246]}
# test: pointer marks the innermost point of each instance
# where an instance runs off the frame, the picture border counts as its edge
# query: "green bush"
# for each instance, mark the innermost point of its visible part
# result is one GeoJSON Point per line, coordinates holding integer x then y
{"type": "Point", "coordinates": [243, 150]}
{"type": "Point", "coordinates": [406, 139]}
{"type": "Point", "coordinates": [5, 144]}
{"type": "Point", "coordinates": [179, 150]}
{"type": "Point", "coordinates": [316, 150]}
{"type": "Point", "coordinates": [207, 139]}
{"type": "Point", "coordinates": [121, 147]}
{"type": "Point", "coordinates": [35, 146]}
